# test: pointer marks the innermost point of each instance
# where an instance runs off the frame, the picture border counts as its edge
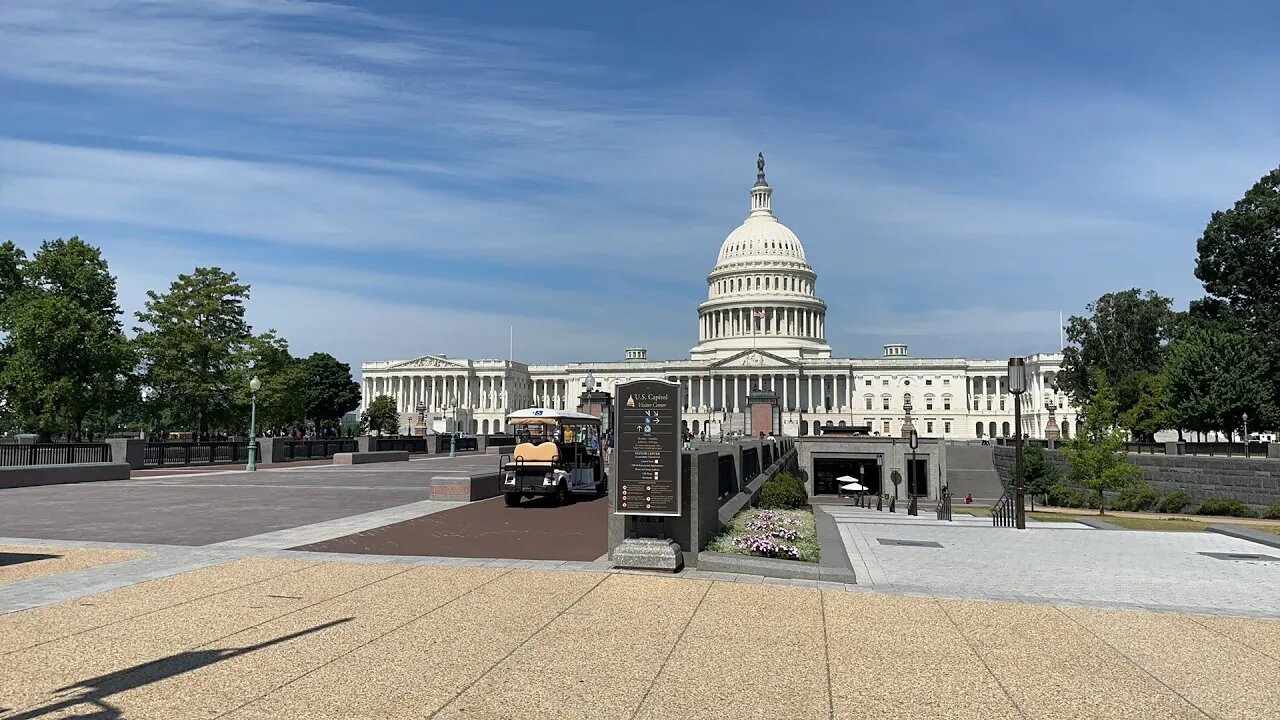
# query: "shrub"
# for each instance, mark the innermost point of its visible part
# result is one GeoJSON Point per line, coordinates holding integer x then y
{"type": "Point", "coordinates": [784, 492]}
{"type": "Point", "coordinates": [1272, 513]}
{"type": "Point", "coordinates": [1063, 496]}
{"type": "Point", "coordinates": [1174, 502]}
{"type": "Point", "coordinates": [1233, 508]}
{"type": "Point", "coordinates": [1136, 497]}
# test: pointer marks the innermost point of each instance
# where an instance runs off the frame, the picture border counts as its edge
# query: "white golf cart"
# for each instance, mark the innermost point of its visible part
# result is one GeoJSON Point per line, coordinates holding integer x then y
{"type": "Point", "coordinates": [557, 453]}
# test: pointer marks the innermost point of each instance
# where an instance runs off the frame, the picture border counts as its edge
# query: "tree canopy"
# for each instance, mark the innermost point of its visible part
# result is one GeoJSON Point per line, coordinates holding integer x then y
{"type": "Point", "coordinates": [381, 417]}
{"type": "Point", "coordinates": [66, 355]}
{"type": "Point", "coordinates": [190, 341]}
{"type": "Point", "coordinates": [1239, 263]}
{"type": "Point", "coordinates": [328, 390]}
{"type": "Point", "coordinates": [1096, 452]}
{"type": "Point", "coordinates": [1121, 341]}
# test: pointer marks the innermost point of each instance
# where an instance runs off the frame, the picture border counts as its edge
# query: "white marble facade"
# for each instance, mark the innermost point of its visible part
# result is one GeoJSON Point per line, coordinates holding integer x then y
{"type": "Point", "coordinates": [762, 326]}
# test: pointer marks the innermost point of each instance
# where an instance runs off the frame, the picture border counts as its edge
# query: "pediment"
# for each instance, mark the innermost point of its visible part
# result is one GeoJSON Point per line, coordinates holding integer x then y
{"type": "Point", "coordinates": [753, 359]}
{"type": "Point", "coordinates": [427, 362]}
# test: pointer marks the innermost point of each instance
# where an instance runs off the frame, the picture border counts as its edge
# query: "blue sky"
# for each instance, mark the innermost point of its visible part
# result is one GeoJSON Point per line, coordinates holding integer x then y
{"type": "Point", "coordinates": [398, 178]}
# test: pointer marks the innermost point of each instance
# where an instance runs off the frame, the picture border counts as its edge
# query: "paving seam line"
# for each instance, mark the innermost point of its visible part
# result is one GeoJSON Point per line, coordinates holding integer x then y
{"type": "Point", "coordinates": [264, 622]}
{"type": "Point", "coordinates": [973, 648]}
{"type": "Point", "coordinates": [1229, 638]}
{"type": "Point", "coordinates": [167, 607]}
{"type": "Point", "coordinates": [364, 644]}
{"type": "Point", "coordinates": [653, 682]}
{"type": "Point", "coordinates": [516, 649]}
{"type": "Point", "coordinates": [1135, 663]}
{"type": "Point", "coordinates": [826, 656]}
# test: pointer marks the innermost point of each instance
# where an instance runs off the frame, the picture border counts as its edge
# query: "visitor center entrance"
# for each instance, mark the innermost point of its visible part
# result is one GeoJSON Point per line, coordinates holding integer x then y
{"type": "Point", "coordinates": [827, 470]}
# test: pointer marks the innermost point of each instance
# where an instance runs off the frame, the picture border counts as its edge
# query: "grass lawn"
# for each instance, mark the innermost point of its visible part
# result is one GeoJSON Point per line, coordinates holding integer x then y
{"type": "Point", "coordinates": [1164, 524]}
{"type": "Point", "coordinates": [1265, 528]}
{"type": "Point", "coordinates": [785, 534]}
{"type": "Point", "coordinates": [1051, 517]}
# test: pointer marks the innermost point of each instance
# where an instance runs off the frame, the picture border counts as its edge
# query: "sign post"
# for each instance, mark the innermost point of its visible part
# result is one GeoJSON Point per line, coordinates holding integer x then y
{"type": "Point", "coordinates": [649, 480]}
{"type": "Point", "coordinates": [648, 437]}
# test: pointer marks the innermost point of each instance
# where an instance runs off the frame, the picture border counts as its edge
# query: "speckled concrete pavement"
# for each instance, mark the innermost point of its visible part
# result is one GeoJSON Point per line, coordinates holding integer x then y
{"type": "Point", "coordinates": [26, 562]}
{"type": "Point", "coordinates": [318, 638]}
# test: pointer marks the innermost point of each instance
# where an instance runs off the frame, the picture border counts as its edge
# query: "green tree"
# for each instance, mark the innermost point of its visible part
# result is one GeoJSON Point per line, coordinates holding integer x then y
{"type": "Point", "coordinates": [328, 391]}
{"type": "Point", "coordinates": [1096, 453]}
{"type": "Point", "coordinates": [190, 341]}
{"type": "Point", "coordinates": [1239, 263]}
{"type": "Point", "coordinates": [1150, 414]}
{"type": "Point", "coordinates": [281, 401]}
{"type": "Point", "coordinates": [381, 416]}
{"type": "Point", "coordinates": [1216, 375]}
{"type": "Point", "coordinates": [66, 354]}
{"type": "Point", "coordinates": [1121, 341]}
{"type": "Point", "coordinates": [1038, 472]}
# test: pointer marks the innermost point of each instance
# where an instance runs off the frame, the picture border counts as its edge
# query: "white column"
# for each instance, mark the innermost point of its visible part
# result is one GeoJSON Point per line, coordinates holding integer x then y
{"type": "Point", "coordinates": [786, 393]}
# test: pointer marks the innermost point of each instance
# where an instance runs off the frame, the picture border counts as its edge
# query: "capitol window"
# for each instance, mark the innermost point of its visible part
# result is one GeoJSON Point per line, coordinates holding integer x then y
{"type": "Point", "coordinates": [946, 427]}
{"type": "Point", "coordinates": [928, 381]}
{"type": "Point", "coordinates": [868, 383]}
{"type": "Point", "coordinates": [946, 402]}
{"type": "Point", "coordinates": [885, 402]}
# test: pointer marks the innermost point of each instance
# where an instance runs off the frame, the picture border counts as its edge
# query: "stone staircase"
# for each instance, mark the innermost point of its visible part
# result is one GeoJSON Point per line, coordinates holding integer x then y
{"type": "Point", "coordinates": [972, 469]}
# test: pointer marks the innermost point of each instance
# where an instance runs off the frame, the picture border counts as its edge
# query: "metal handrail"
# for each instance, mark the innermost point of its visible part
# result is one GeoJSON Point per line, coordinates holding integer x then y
{"type": "Point", "coordinates": [1004, 514]}
{"type": "Point", "coordinates": [944, 504]}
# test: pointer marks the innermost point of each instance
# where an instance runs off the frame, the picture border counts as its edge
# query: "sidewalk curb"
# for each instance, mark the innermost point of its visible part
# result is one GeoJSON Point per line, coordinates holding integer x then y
{"type": "Point", "coordinates": [1244, 533]}
{"type": "Point", "coordinates": [1097, 524]}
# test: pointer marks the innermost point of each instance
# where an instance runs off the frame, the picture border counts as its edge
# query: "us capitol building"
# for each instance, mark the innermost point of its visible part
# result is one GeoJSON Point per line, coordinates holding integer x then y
{"type": "Point", "coordinates": [761, 332]}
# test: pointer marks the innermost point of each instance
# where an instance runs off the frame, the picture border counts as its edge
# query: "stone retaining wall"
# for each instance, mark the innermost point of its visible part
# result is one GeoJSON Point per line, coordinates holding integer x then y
{"type": "Point", "coordinates": [1254, 481]}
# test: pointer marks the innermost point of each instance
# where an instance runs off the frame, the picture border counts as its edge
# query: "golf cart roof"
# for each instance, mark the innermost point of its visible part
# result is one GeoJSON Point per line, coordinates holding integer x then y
{"type": "Point", "coordinates": [549, 416]}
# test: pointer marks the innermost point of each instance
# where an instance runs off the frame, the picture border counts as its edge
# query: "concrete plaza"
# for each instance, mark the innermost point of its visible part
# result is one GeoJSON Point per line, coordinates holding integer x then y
{"type": "Point", "coordinates": [176, 598]}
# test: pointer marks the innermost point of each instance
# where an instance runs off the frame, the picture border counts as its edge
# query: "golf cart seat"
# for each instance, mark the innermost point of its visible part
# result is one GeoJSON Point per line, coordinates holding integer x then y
{"type": "Point", "coordinates": [541, 455]}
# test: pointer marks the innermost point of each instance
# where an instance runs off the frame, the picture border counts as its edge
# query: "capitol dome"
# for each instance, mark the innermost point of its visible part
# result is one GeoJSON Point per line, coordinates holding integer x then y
{"type": "Point", "coordinates": [761, 291]}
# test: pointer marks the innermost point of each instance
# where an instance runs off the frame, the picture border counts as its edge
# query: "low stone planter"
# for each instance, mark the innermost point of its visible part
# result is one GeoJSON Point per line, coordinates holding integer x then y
{"type": "Point", "coordinates": [771, 567]}
{"type": "Point", "coordinates": [33, 475]}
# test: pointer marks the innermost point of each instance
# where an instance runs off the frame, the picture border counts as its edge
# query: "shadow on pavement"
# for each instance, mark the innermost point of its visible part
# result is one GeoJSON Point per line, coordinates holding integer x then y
{"type": "Point", "coordinates": [9, 558]}
{"type": "Point", "coordinates": [95, 691]}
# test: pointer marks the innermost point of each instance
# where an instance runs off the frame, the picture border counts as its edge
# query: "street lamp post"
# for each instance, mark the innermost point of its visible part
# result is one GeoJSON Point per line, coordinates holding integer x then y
{"type": "Point", "coordinates": [913, 485]}
{"type": "Point", "coordinates": [1245, 417]}
{"type": "Point", "coordinates": [254, 386]}
{"type": "Point", "coordinates": [1017, 386]}
{"type": "Point", "coordinates": [453, 436]}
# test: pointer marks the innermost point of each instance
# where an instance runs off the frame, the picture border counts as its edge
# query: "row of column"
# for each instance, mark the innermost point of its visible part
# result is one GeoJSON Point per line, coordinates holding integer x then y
{"type": "Point", "coordinates": [439, 392]}
{"type": "Point", "coordinates": [993, 385]}
{"type": "Point", "coordinates": [778, 321]}
{"type": "Point", "coordinates": [552, 394]}
{"type": "Point", "coordinates": [817, 392]}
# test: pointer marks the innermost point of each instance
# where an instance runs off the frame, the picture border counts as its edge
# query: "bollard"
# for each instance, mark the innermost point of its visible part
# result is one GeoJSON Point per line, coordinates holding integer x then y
{"type": "Point", "coordinates": [892, 502]}
{"type": "Point", "coordinates": [880, 502]}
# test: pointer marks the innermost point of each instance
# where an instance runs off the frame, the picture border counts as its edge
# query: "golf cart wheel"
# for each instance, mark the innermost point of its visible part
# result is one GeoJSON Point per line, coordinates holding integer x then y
{"type": "Point", "coordinates": [513, 499]}
{"type": "Point", "coordinates": [562, 494]}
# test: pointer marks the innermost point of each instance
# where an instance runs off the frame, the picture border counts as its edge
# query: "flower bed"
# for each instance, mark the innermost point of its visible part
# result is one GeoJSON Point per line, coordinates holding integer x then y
{"type": "Point", "coordinates": [784, 534]}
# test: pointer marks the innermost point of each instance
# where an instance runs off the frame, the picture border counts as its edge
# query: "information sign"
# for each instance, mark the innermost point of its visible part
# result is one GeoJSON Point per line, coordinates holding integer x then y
{"type": "Point", "coordinates": [648, 427]}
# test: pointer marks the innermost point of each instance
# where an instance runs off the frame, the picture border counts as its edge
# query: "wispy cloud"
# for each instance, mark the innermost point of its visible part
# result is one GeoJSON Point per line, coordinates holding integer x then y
{"type": "Point", "coordinates": [952, 183]}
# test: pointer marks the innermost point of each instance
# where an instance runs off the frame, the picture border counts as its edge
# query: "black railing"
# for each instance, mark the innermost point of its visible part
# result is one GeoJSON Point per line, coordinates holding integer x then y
{"type": "Point", "coordinates": [1226, 448]}
{"type": "Point", "coordinates": [315, 449]}
{"type": "Point", "coordinates": [464, 443]}
{"type": "Point", "coordinates": [944, 504]}
{"type": "Point", "coordinates": [161, 454]}
{"type": "Point", "coordinates": [1142, 447]}
{"type": "Point", "coordinates": [413, 444]}
{"type": "Point", "coordinates": [1004, 513]}
{"type": "Point", "coordinates": [53, 454]}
